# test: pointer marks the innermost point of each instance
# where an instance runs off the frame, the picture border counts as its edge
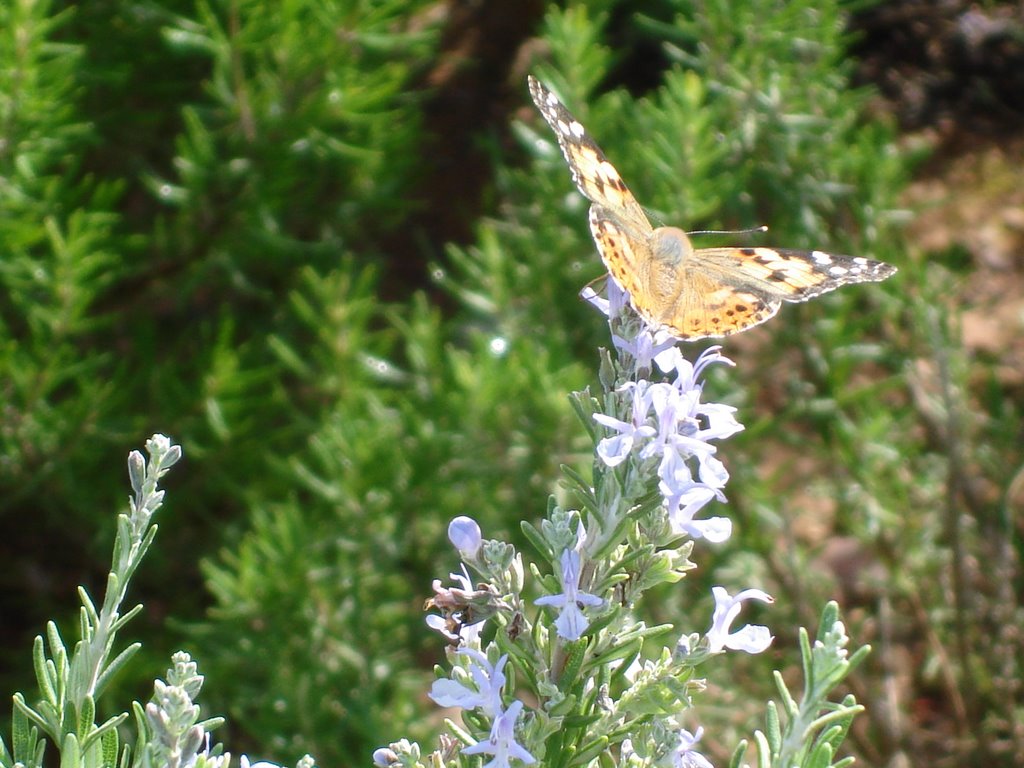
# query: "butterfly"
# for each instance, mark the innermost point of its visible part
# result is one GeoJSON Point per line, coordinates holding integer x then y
{"type": "Point", "coordinates": [691, 293]}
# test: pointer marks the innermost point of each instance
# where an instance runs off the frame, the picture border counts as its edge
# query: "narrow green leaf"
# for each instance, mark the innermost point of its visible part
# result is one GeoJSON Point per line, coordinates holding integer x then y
{"type": "Point", "coordinates": [841, 718]}
{"type": "Point", "coordinates": [579, 483]}
{"type": "Point", "coordinates": [585, 414]}
{"type": "Point", "coordinates": [738, 754]}
{"type": "Point", "coordinates": [114, 667]}
{"type": "Point", "coordinates": [110, 744]}
{"type": "Point", "coordinates": [22, 736]}
{"type": "Point", "coordinates": [86, 718]}
{"type": "Point", "coordinates": [89, 607]}
{"type": "Point", "coordinates": [619, 651]}
{"type": "Point", "coordinates": [41, 719]}
{"type": "Point", "coordinates": [459, 732]}
{"type": "Point", "coordinates": [6, 760]}
{"type": "Point", "coordinates": [788, 703]}
{"type": "Point", "coordinates": [70, 754]}
{"type": "Point", "coordinates": [829, 616]}
{"type": "Point", "coordinates": [54, 640]}
{"type": "Point", "coordinates": [587, 753]}
{"type": "Point", "coordinates": [820, 757]}
{"type": "Point", "coordinates": [764, 752]}
{"type": "Point", "coordinates": [536, 539]}
{"type": "Point", "coordinates": [807, 661]}
{"type": "Point", "coordinates": [773, 729]}
{"type": "Point", "coordinates": [575, 655]}
{"type": "Point", "coordinates": [100, 732]}
{"type": "Point", "coordinates": [580, 721]}
{"type": "Point", "coordinates": [42, 669]}
{"type": "Point", "coordinates": [125, 618]}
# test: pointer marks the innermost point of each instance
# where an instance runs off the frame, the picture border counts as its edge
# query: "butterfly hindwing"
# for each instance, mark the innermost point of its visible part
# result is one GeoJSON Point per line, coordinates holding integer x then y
{"type": "Point", "coordinates": [706, 308]}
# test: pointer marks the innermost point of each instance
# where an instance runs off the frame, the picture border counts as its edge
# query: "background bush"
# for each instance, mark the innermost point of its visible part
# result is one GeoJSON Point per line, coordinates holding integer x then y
{"type": "Point", "coordinates": [331, 250]}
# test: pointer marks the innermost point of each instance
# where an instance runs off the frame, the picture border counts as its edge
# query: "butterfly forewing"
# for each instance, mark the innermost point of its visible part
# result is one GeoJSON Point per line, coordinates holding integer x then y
{"type": "Point", "coordinates": [593, 175]}
{"type": "Point", "coordinates": [790, 275]}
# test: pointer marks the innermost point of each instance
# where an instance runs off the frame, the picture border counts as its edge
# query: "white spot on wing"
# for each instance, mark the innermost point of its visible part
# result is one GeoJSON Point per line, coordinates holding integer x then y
{"type": "Point", "coordinates": [820, 257]}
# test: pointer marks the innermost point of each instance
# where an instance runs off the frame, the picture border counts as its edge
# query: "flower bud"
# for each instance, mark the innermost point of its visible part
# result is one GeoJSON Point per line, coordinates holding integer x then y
{"type": "Point", "coordinates": [465, 534]}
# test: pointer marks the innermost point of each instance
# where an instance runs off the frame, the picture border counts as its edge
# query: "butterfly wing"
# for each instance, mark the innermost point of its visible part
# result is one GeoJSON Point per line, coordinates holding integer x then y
{"type": "Point", "coordinates": [593, 175]}
{"type": "Point", "coordinates": [789, 275]}
{"type": "Point", "coordinates": [626, 255]}
{"type": "Point", "coordinates": [708, 307]}
{"type": "Point", "coordinates": [722, 291]}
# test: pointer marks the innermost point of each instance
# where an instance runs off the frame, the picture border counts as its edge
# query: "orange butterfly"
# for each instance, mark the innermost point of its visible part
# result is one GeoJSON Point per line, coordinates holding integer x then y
{"type": "Point", "coordinates": [692, 293]}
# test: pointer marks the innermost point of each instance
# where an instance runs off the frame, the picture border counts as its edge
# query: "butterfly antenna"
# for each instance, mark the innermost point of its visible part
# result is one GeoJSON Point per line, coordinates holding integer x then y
{"type": "Point", "coordinates": [751, 230]}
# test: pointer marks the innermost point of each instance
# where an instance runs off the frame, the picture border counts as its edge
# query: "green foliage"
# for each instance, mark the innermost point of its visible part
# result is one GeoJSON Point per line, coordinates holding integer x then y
{"type": "Point", "coordinates": [70, 682]}
{"type": "Point", "coordinates": [56, 234]}
{"type": "Point", "coordinates": [809, 732]}
{"type": "Point", "coordinates": [346, 560]}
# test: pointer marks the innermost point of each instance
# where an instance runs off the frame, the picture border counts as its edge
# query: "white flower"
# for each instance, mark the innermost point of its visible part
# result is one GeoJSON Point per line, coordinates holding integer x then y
{"type": "Point", "coordinates": [750, 638]}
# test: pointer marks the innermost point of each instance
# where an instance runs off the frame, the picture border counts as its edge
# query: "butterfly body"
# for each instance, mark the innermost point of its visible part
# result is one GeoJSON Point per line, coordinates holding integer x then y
{"type": "Point", "coordinates": [691, 293]}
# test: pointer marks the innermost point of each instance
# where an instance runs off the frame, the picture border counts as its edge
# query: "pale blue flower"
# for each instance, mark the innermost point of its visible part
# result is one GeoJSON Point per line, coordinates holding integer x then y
{"type": "Point", "coordinates": [683, 506]}
{"type": "Point", "coordinates": [614, 450]}
{"type": "Point", "coordinates": [688, 374]}
{"type": "Point", "coordinates": [750, 638]}
{"type": "Point", "coordinates": [596, 300]}
{"type": "Point", "coordinates": [488, 679]}
{"type": "Point", "coordinates": [679, 435]}
{"type": "Point", "coordinates": [685, 756]}
{"type": "Point", "coordinates": [618, 298]}
{"type": "Point", "coordinates": [718, 418]}
{"type": "Point", "coordinates": [720, 421]}
{"type": "Point", "coordinates": [502, 743]}
{"type": "Point", "coordinates": [610, 307]}
{"type": "Point", "coordinates": [645, 347]}
{"type": "Point", "coordinates": [648, 342]}
{"type": "Point", "coordinates": [571, 623]}
{"type": "Point", "coordinates": [464, 533]}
